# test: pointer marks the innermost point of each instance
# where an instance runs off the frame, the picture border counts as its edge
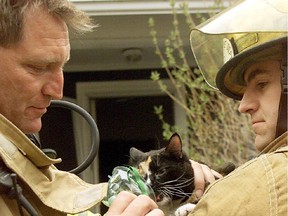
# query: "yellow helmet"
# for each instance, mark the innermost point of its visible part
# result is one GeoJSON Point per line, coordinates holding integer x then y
{"type": "Point", "coordinates": [224, 46]}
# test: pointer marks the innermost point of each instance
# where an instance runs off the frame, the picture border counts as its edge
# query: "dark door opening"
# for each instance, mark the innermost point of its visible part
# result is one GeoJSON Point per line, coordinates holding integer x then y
{"type": "Point", "coordinates": [128, 122]}
{"type": "Point", "coordinates": [57, 134]}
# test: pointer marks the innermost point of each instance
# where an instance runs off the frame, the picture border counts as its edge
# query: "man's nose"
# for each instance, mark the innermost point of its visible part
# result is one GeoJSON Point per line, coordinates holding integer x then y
{"type": "Point", "coordinates": [248, 103]}
{"type": "Point", "coordinates": [54, 85]}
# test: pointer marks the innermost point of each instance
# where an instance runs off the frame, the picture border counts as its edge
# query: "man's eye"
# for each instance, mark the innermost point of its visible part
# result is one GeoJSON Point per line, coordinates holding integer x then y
{"type": "Point", "coordinates": [261, 85]}
{"type": "Point", "coordinates": [40, 69]}
{"type": "Point", "coordinates": [37, 68]}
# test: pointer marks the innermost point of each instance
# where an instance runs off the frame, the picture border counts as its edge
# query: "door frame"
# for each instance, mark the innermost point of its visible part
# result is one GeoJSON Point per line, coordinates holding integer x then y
{"type": "Point", "coordinates": [87, 92]}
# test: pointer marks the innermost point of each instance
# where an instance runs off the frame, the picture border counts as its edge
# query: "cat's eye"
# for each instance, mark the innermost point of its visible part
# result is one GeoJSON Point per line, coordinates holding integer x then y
{"type": "Point", "coordinates": [161, 172]}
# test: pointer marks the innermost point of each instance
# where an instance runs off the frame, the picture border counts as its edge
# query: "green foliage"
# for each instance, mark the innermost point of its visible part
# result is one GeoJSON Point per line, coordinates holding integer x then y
{"type": "Point", "coordinates": [216, 130]}
{"type": "Point", "coordinates": [168, 129]}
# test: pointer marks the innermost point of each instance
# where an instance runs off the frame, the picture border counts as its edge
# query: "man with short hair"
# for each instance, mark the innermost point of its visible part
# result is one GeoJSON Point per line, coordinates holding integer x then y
{"type": "Point", "coordinates": [34, 47]}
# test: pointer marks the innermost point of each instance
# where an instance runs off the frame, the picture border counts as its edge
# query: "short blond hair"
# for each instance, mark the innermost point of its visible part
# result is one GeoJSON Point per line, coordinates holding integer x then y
{"type": "Point", "coordinates": [12, 15]}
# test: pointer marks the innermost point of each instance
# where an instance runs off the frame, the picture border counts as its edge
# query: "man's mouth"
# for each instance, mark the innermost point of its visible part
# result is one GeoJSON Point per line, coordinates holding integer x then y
{"type": "Point", "coordinates": [257, 121]}
{"type": "Point", "coordinates": [40, 110]}
{"type": "Point", "coordinates": [256, 125]}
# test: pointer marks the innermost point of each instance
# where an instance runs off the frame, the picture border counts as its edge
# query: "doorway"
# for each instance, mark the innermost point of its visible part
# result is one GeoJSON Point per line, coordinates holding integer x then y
{"type": "Point", "coordinates": [126, 122]}
{"type": "Point", "coordinates": [115, 105]}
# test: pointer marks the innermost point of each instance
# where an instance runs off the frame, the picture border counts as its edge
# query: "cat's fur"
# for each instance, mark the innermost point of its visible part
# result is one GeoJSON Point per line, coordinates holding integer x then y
{"type": "Point", "coordinates": [168, 171]}
{"type": "Point", "coordinates": [170, 174]}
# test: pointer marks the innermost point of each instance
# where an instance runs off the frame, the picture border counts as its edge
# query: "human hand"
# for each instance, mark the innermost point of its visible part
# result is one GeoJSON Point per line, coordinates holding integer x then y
{"type": "Point", "coordinates": [202, 175]}
{"type": "Point", "coordinates": [127, 204]}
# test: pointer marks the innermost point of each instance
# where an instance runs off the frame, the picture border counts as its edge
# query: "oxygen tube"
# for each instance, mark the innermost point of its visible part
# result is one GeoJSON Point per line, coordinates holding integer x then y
{"type": "Point", "coordinates": [8, 179]}
{"type": "Point", "coordinates": [95, 139]}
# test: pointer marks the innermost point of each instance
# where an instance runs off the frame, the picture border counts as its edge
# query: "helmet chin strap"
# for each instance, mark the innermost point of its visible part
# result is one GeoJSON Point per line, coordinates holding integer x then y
{"type": "Point", "coordinates": [282, 115]}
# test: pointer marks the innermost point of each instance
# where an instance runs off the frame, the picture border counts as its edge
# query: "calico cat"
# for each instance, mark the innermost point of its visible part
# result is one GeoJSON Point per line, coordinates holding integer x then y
{"type": "Point", "coordinates": [168, 171]}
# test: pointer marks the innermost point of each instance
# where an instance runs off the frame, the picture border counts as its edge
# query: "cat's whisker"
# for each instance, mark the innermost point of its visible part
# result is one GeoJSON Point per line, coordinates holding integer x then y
{"type": "Point", "coordinates": [178, 186]}
{"type": "Point", "coordinates": [175, 191]}
{"type": "Point", "coordinates": [171, 181]}
{"type": "Point", "coordinates": [184, 182]}
{"type": "Point", "coordinates": [179, 183]}
{"type": "Point", "coordinates": [166, 193]}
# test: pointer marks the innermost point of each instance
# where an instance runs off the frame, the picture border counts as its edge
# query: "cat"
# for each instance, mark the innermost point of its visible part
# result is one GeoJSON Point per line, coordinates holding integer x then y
{"type": "Point", "coordinates": [169, 172]}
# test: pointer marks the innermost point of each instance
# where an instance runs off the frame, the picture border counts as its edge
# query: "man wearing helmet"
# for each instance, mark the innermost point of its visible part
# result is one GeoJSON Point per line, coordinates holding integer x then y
{"type": "Point", "coordinates": [250, 64]}
{"type": "Point", "coordinates": [243, 53]}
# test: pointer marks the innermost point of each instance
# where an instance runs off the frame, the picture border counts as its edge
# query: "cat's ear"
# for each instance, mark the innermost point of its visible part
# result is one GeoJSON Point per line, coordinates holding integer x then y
{"type": "Point", "coordinates": [174, 146]}
{"type": "Point", "coordinates": [135, 156]}
{"type": "Point", "coordinates": [136, 152]}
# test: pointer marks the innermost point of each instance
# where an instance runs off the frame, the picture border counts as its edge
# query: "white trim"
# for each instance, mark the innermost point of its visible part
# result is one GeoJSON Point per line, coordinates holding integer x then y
{"type": "Point", "coordinates": [88, 91]}
{"type": "Point", "coordinates": [103, 8]}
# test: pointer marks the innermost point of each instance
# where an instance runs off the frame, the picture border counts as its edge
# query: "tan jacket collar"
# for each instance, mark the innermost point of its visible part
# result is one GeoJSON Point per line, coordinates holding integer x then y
{"type": "Point", "coordinates": [26, 147]}
{"type": "Point", "coordinates": [279, 142]}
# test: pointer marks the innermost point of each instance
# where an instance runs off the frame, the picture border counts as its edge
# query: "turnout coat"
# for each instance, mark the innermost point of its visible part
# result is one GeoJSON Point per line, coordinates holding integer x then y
{"type": "Point", "coordinates": [259, 187]}
{"type": "Point", "coordinates": [49, 190]}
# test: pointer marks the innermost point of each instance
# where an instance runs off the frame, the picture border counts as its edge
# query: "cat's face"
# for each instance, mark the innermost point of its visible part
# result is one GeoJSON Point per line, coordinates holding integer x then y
{"type": "Point", "coordinates": [168, 171]}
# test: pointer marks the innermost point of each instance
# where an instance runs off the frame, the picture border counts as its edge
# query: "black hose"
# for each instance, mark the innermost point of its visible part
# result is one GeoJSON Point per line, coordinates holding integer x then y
{"type": "Point", "coordinates": [16, 193]}
{"type": "Point", "coordinates": [8, 182]}
{"type": "Point", "coordinates": [26, 204]}
{"type": "Point", "coordinates": [95, 139]}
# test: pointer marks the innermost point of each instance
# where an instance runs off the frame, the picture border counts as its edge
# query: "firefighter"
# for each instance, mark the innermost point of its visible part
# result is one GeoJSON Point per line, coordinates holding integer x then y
{"type": "Point", "coordinates": [243, 53]}
{"type": "Point", "coordinates": [34, 46]}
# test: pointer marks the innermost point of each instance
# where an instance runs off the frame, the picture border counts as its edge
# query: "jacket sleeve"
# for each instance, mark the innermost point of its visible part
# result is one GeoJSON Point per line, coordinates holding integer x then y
{"type": "Point", "coordinates": [258, 187]}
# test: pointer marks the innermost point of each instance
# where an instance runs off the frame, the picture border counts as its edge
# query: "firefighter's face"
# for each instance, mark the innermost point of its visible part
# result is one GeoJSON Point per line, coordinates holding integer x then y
{"type": "Point", "coordinates": [261, 100]}
{"type": "Point", "coordinates": [31, 71]}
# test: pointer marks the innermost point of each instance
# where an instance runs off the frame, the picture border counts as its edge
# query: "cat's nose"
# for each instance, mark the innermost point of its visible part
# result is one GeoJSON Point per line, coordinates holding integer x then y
{"type": "Point", "coordinates": [159, 197]}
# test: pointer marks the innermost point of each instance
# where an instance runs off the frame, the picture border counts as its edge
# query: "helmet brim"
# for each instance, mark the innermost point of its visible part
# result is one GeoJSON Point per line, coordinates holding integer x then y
{"type": "Point", "coordinates": [230, 78]}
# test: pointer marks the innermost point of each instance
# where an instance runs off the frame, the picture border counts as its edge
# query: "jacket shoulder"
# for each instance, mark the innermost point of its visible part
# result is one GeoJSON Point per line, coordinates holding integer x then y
{"type": "Point", "coordinates": [258, 187]}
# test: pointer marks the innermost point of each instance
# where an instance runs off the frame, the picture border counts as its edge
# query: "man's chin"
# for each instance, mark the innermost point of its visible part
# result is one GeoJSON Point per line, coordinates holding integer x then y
{"type": "Point", "coordinates": [261, 142]}
{"type": "Point", "coordinates": [33, 127]}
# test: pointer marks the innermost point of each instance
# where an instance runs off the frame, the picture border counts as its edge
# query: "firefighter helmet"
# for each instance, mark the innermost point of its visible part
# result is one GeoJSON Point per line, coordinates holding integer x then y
{"type": "Point", "coordinates": [252, 30]}
{"type": "Point", "coordinates": [227, 44]}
